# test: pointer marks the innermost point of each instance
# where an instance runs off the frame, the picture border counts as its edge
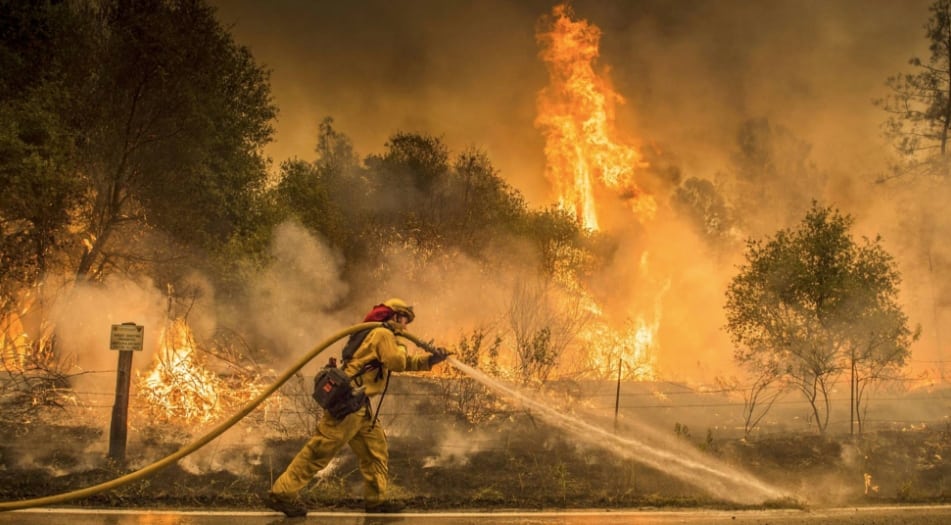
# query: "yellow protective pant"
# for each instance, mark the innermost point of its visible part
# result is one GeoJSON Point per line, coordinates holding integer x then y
{"type": "Point", "coordinates": [369, 445]}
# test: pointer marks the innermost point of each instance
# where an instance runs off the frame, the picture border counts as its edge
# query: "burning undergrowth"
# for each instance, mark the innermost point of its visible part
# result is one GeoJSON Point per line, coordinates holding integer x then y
{"type": "Point", "coordinates": [180, 387]}
{"type": "Point", "coordinates": [513, 458]}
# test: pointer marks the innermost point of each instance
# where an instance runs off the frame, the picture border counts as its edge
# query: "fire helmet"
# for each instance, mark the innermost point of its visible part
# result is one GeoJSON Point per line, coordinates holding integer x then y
{"type": "Point", "coordinates": [400, 307]}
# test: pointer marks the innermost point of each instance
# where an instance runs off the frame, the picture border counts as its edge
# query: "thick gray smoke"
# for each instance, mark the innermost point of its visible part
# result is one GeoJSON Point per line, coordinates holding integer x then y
{"type": "Point", "coordinates": [292, 299]}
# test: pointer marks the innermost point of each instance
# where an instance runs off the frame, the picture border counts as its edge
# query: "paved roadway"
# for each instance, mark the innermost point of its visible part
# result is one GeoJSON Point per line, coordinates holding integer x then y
{"type": "Point", "coordinates": [910, 515]}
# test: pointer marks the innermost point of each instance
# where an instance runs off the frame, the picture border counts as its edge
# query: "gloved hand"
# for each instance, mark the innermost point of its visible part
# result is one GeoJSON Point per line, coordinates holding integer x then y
{"type": "Point", "coordinates": [438, 355]}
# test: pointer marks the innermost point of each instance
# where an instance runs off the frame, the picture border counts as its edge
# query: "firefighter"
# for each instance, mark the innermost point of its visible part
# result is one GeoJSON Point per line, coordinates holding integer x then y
{"type": "Point", "coordinates": [379, 354]}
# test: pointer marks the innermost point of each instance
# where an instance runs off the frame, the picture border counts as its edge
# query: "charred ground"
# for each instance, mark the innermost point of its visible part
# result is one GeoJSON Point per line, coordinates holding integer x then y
{"type": "Point", "coordinates": [528, 472]}
{"type": "Point", "coordinates": [522, 462]}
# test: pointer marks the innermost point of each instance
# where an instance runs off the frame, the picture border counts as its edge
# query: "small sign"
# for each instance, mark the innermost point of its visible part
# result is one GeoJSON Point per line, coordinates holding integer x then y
{"type": "Point", "coordinates": [126, 337]}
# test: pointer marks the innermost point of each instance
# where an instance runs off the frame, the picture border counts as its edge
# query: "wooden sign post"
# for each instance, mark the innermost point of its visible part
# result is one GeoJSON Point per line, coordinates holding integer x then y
{"type": "Point", "coordinates": [126, 338]}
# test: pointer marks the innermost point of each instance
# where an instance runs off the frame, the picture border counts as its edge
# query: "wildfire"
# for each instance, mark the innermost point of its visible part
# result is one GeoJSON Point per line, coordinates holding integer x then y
{"type": "Point", "coordinates": [630, 350]}
{"type": "Point", "coordinates": [20, 349]}
{"type": "Point", "coordinates": [585, 162]}
{"type": "Point", "coordinates": [14, 342]}
{"type": "Point", "coordinates": [179, 387]}
{"type": "Point", "coordinates": [576, 114]}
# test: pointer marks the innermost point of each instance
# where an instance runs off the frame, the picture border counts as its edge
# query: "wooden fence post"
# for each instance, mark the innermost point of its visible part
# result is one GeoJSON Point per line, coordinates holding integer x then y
{"type": "Point", "coordinates": [120, 410]}
{"type": "Point", "coordinates": [126, 338]}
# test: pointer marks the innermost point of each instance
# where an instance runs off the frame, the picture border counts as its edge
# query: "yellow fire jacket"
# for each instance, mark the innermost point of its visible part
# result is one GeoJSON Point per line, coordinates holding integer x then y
{"type": "Point", "coordinates": [382, 346]}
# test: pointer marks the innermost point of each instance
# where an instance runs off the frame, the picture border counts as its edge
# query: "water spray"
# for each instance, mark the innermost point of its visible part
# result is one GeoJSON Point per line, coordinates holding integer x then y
{"type": "Point", "coordinates": [720, 480]}
{"type": "Point", "coordinates": [690, 466]}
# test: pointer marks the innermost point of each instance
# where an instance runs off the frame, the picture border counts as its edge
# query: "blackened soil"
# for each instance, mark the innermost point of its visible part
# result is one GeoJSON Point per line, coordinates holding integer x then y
{"type": "Point", "coordinates": [527, 467]}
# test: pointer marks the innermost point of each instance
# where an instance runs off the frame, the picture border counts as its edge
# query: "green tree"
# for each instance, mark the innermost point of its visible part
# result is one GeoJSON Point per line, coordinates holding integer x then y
{"type": "Point", "coordinates": [404, 212]}
{"type": "Point", "coordinates": [305, 191]}
{"type": "Point", "coordinates": [330, 194]}
{"type": "Point", "coordinates": [918, 118]}
{"type": "Point", "coordinates": [177, 145]}
{"type": "Point", "coordinates": [919, 103]}
{"type": "Point", "coordinates": [406, 180]}
{"type": "Point", "coordinates": [480, 206]}
{"type": "Point", "coordinates": [555, 235]}
{"type": "Point", "coordinates": [152, 122]}
{"type": "Point", "coordinates": [419, 194]}
{"type": "Point", "coordinates": [37, 149]}
{"type": "Point", "coordinates": [814, 303]}
{"type": "Point", "coordinates": [39, 192]}
{"type": "Point", "coordinates": [879, 335]}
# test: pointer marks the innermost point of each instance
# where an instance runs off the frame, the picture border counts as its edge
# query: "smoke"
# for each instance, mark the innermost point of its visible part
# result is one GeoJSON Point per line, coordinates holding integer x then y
{"type": "Point", "coordinates": [691, 71]}
{"type": "Point", "coordinates": [237, 452]}
{"type": "Point", "coordinates": [452, 294]}
{"type": "Point", "coordinates": [454, 448]}
{"type": "Point", "coordinates": [292, 299]}
{"type": "Point", "coordinates": [83, 319]}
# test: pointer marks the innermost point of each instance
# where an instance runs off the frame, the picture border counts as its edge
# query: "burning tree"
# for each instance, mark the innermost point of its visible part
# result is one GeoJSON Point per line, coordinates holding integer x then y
{"type": "Point", "coordinates": [33, 376]}
{"type": "Point", "coordinates": [179, 387]}
{"type": "Point", "coordinates": [589, 164]}
{"type": "Point", "coordinates": [813, 303]}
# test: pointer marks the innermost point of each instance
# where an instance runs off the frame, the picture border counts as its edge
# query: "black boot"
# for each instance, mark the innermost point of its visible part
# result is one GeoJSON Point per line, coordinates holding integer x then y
{"type": "Point", "coordinates": [290, 508]}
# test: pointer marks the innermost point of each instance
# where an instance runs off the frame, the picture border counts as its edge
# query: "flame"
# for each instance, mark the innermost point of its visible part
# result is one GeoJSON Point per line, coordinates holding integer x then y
{"type": "Point", "coordinates": [576, 114]}
{"type": "Point", "coordinates": [19, 350]}
{"type": "Point", "coordinates": [585, 161]}
{"type": "Point", "coordinates": [631, 348]}
{"type": "Point", "coordinates": [628, 352]}
{"type": "Point", "coordinates": [14, 342]}
{"type": "Point", "coordinates": [869, 486]}
{"type": "Point", "coordinates": [179, 387]}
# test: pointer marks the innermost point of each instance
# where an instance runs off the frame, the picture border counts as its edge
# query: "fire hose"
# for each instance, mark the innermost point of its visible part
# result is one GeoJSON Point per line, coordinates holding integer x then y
{"type": "Point", "coordinates": [208, 437]}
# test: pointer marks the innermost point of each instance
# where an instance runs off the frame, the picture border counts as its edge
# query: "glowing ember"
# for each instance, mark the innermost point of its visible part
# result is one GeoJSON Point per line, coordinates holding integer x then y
{"type": "Point", "coordinates": [576, 113]}
{"type": "Point", "coordinates": [178, 386]}
{"type": "Point", "coordinates": [869, 486]}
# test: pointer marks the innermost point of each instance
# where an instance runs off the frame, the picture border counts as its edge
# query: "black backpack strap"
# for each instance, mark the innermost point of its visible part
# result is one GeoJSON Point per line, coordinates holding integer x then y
{"type": "Point", "coordinates": [379, 403]}
{"type": "Point", "coordinates": [353, 343]}
{"type": "Point", "coordinates": [372, 365]}
{"type": "Point", "coordinates": [356, 339]}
